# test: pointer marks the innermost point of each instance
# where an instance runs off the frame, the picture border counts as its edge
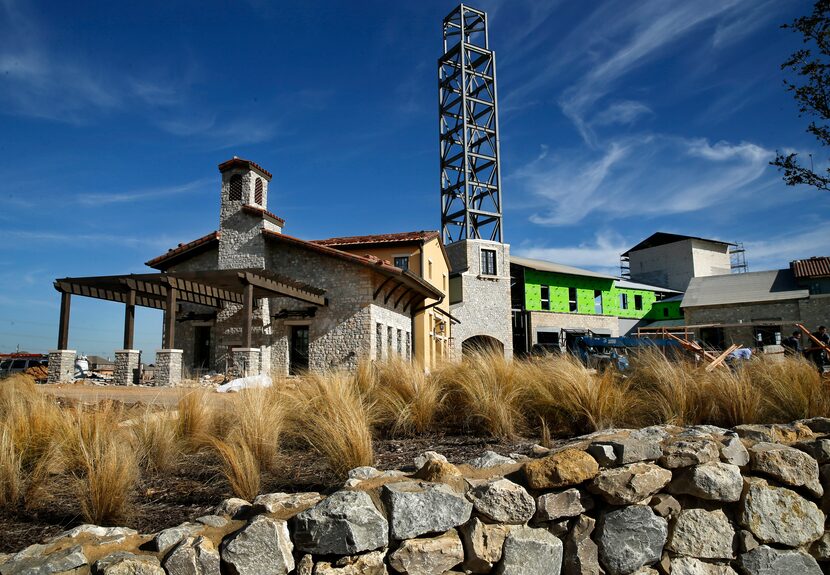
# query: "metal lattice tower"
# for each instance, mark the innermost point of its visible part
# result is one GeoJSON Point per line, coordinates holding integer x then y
{"type": "Point", "coordinates": [469, 130]}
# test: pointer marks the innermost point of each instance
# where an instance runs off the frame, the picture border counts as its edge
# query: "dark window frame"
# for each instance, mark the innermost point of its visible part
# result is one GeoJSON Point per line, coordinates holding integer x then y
{"type": "Point", "coordinates": [406, 263]}
{"type": "Point", "coordinates": [488, 262]}
{"type": "Point", "coordinates": [235, 188]}
{"type": "Point", "coordinates": [544, 300]}
{"type": "Point", "coordinates": [258, 192]}
{"type": "Point", "coordinates": [573, 300]}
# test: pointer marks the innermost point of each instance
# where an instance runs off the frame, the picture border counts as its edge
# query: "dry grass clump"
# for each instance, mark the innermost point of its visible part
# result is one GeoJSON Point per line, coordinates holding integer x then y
{"type": "Point", "coordinates": [672, 391]}
{"type": "Point", "coordinates": [484, 393]}
{"type": "Point", "coordinates": [196, 420]}
{"type": "Point", "coordinates": [102, 462]}
{"type": "Point", "coordinates": [407, 400]}
{"type": "Point", "coordinates": [571, 398]}
{"type": "Point", "coordinates": [239, 465]}
{"type": "Point", "coordinates": [329, 413]}
{"type": "Point", "coordinates": [791, 389]}
{"type": "Point", "coordinates": [734, 397]}
{"type": "Point", "coordinates": [156, 440]}
{"type": "Point", "coordinates": [259, 418]}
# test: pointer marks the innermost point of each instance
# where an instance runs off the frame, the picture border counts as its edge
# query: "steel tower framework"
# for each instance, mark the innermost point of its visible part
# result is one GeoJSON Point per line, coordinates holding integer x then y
{"type": "Point", "coordinates": [469, 130]}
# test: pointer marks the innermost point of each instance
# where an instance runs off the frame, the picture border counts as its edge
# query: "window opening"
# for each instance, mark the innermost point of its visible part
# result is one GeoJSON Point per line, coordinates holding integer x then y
{"type": "Point", "coordinates": [402, 262]}
{"type": "Point", "coordinates": [400, 343]}
{"type": "Point", "coordinates": [623, 301]}
{"type": "Point", "coordinates": [379, 341]}
{"type": "Point", "coordinates": [598, 302]}
{"type": "Point", "coordinates": [545, 292]}
{"type": "Point", "coordinates": [235, 192]}
{"type": "Point", "coordinates": [488, 262]}
{"type": "Point", "coordinates": [258, 192]}
{"type": "Point", "coordinates": [572, 301]}
{"type": "Point", "coordinates": [638, 302]}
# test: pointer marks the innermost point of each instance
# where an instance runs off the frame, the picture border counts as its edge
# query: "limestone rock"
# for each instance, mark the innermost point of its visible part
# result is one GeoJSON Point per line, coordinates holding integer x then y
{"type": "Point", "coordinates": [32, 561]}
{"type": "Point", "coordinates": [626, 450]}
{"type": "Point", "coordinates": [562, 469]}
{"type": "Point", "coordinates": [746, 541]}
{"type": "Point", "coordinates": [693, 566]}
{"type": "Point", "coordinates": [816, 424]}
{"type": "Point", "coordinates": [581, 555]}
{"type": "Point", "coordinates": [366, 564]}
{"type": "Point", "coordinates": [568, 503]}
{"type": "Point", "coordinates": [702, 534]}
{"type": "Point", "coordinates": [774, 433]}
{"type": "Point", "coordinates": [362, 473]}
{"type": "Point", "coordinates": [502, 501]}
{"type": "Point", "coordinates": [167, 538]}
{"type": "Point", "coordinates": [687, 451]}
{"type": "Point", "coordinates": [286, 504]}
{"type": "Point", "coordinates": [422, 459]}
{"type": "Point", "coordinates": [821, 548]}
{"type": "Point", "coordinates": [732, 450]}
{"type": "Point", "coordinates": [630, 483]}
{"type": "Point", "coordinates": [437, 471]}
{"type": "Point", "coordinates": [665, 505]}
{"type": "Point", "coordinates": [779, 515]}
{"type": "Point", "coordinates": [305, 566]}
{"type": "Point", "coordinates": [765, 560]}
{"type": "Point", "coordinates": [491, 459]}
{"type": "Point", "coordinates": [417, 508]}
{"type": "Point", "coordinates": [212, 520]}
{"type": "Point", "coordinates": [345, 523]}
{"type": "Point", "coordinates": [431, 556]}
{"type": "Point", "coordinates": [124, 563]}
{"type": "Point", "coordinates": [818, 449]}
{"type": "Point", "coordinates": [786, 464]}
{"type": "Point", "coordinates": [713, 481]}
{"type": "Point", "coordinates": [262, 547]}
{"type": "Point", "coordinates": [110, 534]}
{"type": "Point", "coordinates": [482, 544]}
{"type": "Point", "coordinates": [529, 551]}
{"type": "Point", "coordinates": [192, 557]}
{"type": "Point", "coordinates": [232, 507]}
{"type": "Point", "coordinates": [630, 538]}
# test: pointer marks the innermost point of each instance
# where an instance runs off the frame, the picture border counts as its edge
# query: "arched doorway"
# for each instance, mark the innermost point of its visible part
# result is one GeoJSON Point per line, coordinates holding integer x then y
{"type": "Point", "coordinates": [481, 343]}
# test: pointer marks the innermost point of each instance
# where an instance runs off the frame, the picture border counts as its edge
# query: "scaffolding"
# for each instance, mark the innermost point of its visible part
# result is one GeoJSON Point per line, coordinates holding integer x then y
{"type": "Point", "coordinates": [468, 126]}
{"type": "Point", "coordinates": [737, 258]}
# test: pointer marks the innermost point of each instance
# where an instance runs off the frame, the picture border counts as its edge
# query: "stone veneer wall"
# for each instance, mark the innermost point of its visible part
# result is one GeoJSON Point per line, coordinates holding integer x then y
{"type": "Point", "coordinates": [485, 305]}
{"type": "Point", "coordinates": [168, 368]}
{"type": "Point", "coordinates": [660, 500]}
{"type": "Point", "coordinates": [61, 365]}
{"type": "Point", "coordinates": [127, 364]}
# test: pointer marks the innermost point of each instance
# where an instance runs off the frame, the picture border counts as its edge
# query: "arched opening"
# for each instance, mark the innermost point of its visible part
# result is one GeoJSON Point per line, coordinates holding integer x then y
{"type": "Point", "coordinates": [235, 191]}
{"type": "Point", "coordinates": [481, 344]}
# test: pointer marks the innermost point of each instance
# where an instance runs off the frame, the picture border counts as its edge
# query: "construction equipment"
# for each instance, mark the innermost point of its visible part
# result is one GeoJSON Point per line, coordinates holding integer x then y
{"type": "Point", "coordinates": [604, 352]}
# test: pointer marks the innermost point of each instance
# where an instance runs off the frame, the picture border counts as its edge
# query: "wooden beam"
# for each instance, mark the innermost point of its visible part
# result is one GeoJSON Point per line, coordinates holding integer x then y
{"type": "Point", "coordinates": [129, 320]}
{"type": "Point", "coordinates": [63, 324]}
{"type": "Point", "coordinates": [721, 358]}
{"type": "Point", "coordinates": [247, 314]}
{"type": "Point", "coordinates": [170, 319]}
{"type": "Point", "coordinates": [281, 289]}
{"type": "Point", "coordinates": [817, 341]}
{"type": "Point", "coordinates": [392, 291]}
{"type": "Point", "coordinates": [403, 295]}
{"type": "Point", "coordinates": [381, 286]}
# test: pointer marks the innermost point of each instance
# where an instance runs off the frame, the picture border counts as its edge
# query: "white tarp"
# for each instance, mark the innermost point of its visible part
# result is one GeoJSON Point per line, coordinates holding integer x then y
{"type": "Point", "coordinates": [250, 382]}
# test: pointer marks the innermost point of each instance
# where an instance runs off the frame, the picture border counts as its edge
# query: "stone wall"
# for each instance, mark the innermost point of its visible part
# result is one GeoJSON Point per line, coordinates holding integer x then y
{"type": "Point", "coordinates": [660, 500]}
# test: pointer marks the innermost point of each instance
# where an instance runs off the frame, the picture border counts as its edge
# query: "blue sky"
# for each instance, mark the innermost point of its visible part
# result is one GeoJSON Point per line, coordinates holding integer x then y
{"type": "Point", "coordinates": [618, 119]}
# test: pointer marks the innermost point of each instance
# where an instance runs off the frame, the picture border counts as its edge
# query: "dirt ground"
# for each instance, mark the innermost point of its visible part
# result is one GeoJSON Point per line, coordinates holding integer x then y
{"type": "Point", "coordinates": [195, 486]}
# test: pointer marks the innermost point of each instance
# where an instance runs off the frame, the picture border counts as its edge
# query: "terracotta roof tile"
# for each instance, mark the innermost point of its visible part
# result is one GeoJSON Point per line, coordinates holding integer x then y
{"type": "Point", "coordinates": [815, 267]}
{"type": "Point", "coordinates": [182, 248]}
{"type": "Point", "coordinates": [422, 235]}
{"type": "Point", "coordinates": [260, 211]}
{"type": "Point", "coordinates": [242, 163]}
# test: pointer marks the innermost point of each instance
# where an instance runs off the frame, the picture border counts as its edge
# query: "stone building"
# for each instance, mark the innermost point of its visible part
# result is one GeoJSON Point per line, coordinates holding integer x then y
{"type": "Point", "coordinates": [249, 297]}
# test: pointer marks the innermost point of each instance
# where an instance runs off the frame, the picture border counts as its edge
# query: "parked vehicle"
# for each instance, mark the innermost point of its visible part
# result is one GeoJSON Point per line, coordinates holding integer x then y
{"type": "Point", "coordinates": [20, 362]}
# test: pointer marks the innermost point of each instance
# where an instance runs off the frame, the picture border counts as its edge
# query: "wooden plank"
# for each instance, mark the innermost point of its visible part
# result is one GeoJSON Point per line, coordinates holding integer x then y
{"type": "Point", "coordinates": [817, 341]}
{"type": "Point", "coordinates": [721, 358]}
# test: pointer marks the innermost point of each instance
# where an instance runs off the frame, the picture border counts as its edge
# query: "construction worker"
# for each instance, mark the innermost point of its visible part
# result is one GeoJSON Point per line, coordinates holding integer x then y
{"type": "Point", "coordinates": [819, 355]}
{"type": "Point", "coordinates": [792, 345]}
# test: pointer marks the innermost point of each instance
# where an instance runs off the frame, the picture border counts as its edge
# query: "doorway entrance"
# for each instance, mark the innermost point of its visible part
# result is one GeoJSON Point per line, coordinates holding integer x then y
{"type": "Point", "coordinates": [201, 347]}
{"type": "Point", "coordinates": [298, 351]}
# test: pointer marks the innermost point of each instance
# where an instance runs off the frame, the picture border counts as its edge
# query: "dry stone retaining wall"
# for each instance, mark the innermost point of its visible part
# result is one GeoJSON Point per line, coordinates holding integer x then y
{"type": "Point", "coordinates": [685, 501]}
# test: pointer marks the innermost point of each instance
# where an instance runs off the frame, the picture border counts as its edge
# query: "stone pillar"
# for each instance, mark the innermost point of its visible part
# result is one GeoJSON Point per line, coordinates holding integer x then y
{"type": "Point", "coordinates": [126, 366]}
{"type": "Point", "coordinates": [247, 360]}
{"type": "Point", "coordinates": [168, 371]}
{"type": "Point", "coordinates": [61, 365]}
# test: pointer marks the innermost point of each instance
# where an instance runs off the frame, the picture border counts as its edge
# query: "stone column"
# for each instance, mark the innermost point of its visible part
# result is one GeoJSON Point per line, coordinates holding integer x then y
{"type": "Point", "coordinates": [168, 371]}
{"type": "Point", "coordinates": [126, 366]}
{"type": "Point", "coordinates": [61, 365]}
{"type": "Point", "coordinates": [247, 360]}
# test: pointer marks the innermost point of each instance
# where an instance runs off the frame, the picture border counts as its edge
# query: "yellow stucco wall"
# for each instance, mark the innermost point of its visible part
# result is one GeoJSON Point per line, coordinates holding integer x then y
{"type": "Point", "coordinates": [430, 339]}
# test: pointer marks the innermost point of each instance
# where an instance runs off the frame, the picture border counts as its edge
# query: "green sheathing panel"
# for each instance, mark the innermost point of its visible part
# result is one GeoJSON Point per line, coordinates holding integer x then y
{"type": "Point", "coordinates": [672, 307]}
{"type": "Point", "coordinates": [585, 288]}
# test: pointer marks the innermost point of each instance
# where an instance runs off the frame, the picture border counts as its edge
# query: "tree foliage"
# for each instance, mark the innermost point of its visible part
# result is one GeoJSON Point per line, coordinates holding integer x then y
{"type": "Point", "coordinates": [811, 90]}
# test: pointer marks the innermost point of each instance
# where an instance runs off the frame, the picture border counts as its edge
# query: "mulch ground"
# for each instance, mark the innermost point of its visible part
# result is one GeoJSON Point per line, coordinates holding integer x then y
{"type": "Point", "coordinates": [195, 487]}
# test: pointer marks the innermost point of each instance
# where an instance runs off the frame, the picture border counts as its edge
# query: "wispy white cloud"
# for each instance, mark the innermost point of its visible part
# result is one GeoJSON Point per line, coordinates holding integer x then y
{"type": "Point", "coordinates": [778, 250]}
{"type": "Point", "coordinates": [644, 175]}
{"type": "Point", "coordinates": [601, 253]}
{"type": "Point", "coordinates": [100, 198]}
{"type": "Point", "coordinates": [622, 113]}
{"type": "Point", "coordinates": [154, 242]}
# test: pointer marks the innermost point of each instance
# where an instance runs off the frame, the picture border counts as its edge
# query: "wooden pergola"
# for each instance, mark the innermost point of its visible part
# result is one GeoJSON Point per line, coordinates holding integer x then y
{"type": "Point", "coordinates": [213, 288]}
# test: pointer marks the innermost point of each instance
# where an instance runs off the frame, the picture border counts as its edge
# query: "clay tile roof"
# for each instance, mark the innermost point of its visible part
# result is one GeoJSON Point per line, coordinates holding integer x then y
{"type": "Point", "coordinates": [422, 235]}
{"type": "Point", "coordinates": [242, 163]}
{"type": "Point", "coordinates": [259, 211]}
{"type": "Point", "coordinates": [182, 248]}
{"type": "Point", "coordinates": [815, 267]}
